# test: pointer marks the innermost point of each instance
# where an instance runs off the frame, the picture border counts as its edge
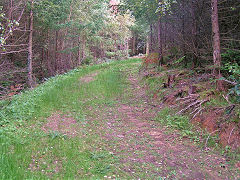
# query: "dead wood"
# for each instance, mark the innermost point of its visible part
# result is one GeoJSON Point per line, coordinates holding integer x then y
{"type": "Point", "coordinates": [230, 135]}
{"type": "Point", "coordinates": [194, 103]}
{"type": "Point", "coordinates": [199, 111]}
{"type": "Point", "coordinates": [191, 96]}
{"type": "Point", "coordinates": [209, 137]}
{"type": "Point", "coordinates": [189, 106]}
{"type": "Point", "coordinates": [192, 90]}
{"type": "Point", "coordinates": [171, 80]}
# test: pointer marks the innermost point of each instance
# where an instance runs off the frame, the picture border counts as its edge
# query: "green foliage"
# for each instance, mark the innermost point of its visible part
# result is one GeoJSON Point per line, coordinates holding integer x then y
{"type": "Point", "coordinates": [186, 129]}
{"type": "Point", "coordinates": [234, 69]}
{"type": "Point", "coordinates": [234, 79]}
{"type": "Point", "coordinates": [180, 60]}
{"type": "Point", "coordinates": [49, 13]}
{"type": "Point", "coordinates": [175, 121]}
{"type": "Point", "coordinates": [164, 7]}
{"type": "Point", "coordinates": [230, 56]}
{"type": "Point", "coordinates": [235, 91]}
{"type": "Point", "coordinates": [6, 27]}
{"type": "Point", "coordinates": [153, 83]}
{"type": "Point", "coordinates": [56, 134]}
{"type": "Point", "coordinates": [2, 15]}
{"type": "Point", "coordinates": [110, 54]}
{"type": "Point", "coordinates": [88, 60]}
{"type": "Point", "coordinates": [90, 21]}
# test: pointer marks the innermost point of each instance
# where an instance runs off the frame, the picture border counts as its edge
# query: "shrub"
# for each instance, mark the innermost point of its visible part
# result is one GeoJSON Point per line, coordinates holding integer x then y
{"type": "Point", "coordinates": [150, 60]}
{"type": "Point", "coordinates": [234, 79]}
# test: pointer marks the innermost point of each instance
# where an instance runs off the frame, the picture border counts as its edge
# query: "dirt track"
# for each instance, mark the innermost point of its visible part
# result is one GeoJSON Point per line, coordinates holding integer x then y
{"type": "Point", "coordinates": [148, 150]}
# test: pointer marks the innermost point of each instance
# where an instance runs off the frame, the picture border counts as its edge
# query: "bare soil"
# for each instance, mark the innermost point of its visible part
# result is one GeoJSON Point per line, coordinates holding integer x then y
{"type": "Point", "coordinates": [61, 123]}
{"type": "Point", "coordinates": [89, 78]}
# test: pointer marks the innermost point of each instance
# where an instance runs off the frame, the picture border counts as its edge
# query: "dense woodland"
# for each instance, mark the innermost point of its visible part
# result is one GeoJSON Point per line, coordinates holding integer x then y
{"type": "Point", "coordinates": [199, 34]}
{"type": "Point", "coordinates": [40, 39]}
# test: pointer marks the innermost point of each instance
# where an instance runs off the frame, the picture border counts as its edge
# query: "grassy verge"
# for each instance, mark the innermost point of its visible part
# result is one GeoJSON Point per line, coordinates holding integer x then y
{"type": "Point", "coordinates": [182, 123]}
{"type": "Point", "coordinates": [27, 152]}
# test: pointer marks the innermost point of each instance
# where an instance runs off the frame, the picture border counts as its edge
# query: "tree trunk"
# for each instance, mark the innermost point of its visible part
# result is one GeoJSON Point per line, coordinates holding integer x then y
{"type": "Point", "coordinates": [151, 39]}
{"type": "Point", "coordinates": [216, 44]}
{"type": "Point", "coordinates": [160, 56]}
{"type": "Point", "coordinates": [48, 59]}
{"type": "Point", "coordinates": [56, 52]}
{"type": "Point", "coordinates": [183, 34]}
{"type": "Point", "coordinates": [83, 47]}
{"type": "Point", "coordinates": [126, 47]}
{"type": "Point", "coordinates": [102, 50]}
{"type": "Point", "coordinates": [194, 35]}
{"type": "Point", "coordinates": [68, 43]}
{"type": "Point", "coordinates": [79, 51]}
{"type": "Point", "coordinates": [134, 44]}
{"type": "Point", "coordinates": [165, 37]}
{"type": "Point", "coordinates": [147, 45]}
{"type": "Point", "coordinates": [10, 17]}
{"type": "Point", "coordinates": [30, 52]}
{"type": "Point", "coordinates": [10, 9]}
{"type": "Point", "coordinates": [61, 48]}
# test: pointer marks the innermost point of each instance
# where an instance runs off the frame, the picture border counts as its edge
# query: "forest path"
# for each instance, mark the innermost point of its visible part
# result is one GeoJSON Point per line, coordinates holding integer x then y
{"type": "Point", "coordinates": [146, 149]}
{"type": "Point", "coordinates": [98, 122]}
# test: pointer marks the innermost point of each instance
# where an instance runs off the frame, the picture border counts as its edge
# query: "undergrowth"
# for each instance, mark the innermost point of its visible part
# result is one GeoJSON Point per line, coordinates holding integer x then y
{"type": "Point", "coordinates": [186, 129]}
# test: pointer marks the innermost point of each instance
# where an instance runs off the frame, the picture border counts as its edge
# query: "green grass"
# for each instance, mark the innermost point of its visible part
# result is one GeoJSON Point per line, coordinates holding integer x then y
{"type": "Point", "coordinates": [186, 129]}
{"type": "Point", "coordinates": [26, 152]}
{"type": "Point", "coordinates": [166, 117]}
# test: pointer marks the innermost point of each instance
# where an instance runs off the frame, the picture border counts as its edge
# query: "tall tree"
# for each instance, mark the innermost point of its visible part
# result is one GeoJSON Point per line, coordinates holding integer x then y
{"type": "Point", "coordinates": [216, 43]}
{"type": "Point", "coordinates": [160, 58]}
{"type": "Point", "coordinates": [30, 48]}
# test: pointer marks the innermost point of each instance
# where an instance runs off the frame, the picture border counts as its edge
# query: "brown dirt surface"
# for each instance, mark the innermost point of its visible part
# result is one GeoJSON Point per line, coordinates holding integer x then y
{"type": "Point", "coordinates": [63, 124]}
{"type": "Point", "coordinates": [150, 151]}
{"type": "Point", "coordinates": [230, 135]}
{"type": "Point", "coordinates": [89, 78]}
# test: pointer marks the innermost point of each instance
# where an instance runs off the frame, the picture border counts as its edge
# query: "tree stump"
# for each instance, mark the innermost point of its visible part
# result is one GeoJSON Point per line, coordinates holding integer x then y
{"type": "Point", "coordinates": [192, 90]}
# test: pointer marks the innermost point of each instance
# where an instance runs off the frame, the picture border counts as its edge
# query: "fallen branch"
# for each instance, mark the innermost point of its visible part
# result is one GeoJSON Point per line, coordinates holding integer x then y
{"type": "Point", "coordinates": [3, 88]}
{"type": "Point", "coordinates": [209, 137]}
{"type": "Point", "coordinates": [230, 135]}
{"type": "Point", "coordinates": [188, 97]}
{"type": "Point", "coordinates": [2, 63]}
{"type": "Point", "coordinates": [226, 97]}
{"type": "Point", "coordinates": [230, 82]}
{"type": "Point", "coordinates": [11, 52]}
{"type": "Point", "coordinates": [197, 113]}
{"type": "Point", "coordinates": [188, 101]}
{"type": "Point", "coordinates": [196, 109]}
{"type": "Point", "coordinates": [189, 106]}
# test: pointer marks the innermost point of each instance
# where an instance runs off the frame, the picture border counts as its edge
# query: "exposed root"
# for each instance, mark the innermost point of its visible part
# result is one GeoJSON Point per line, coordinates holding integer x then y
{"type": "Point", "coordinates": [192, 96]}
{"type": "Point", "coordinates": [230, 135]}
{"type": "Point", "coordinates": [209, 137]}
{"type": "Point", "coordinates": [200, 110]}
{"type": "Point", "coordinates": [218, 110]}
{"type": "Point", "coordinates": [195, 111]}
{"type": "Point", "coordinates": [194, 105]}
{"type": "Point", "coordinates": [189, 99]}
